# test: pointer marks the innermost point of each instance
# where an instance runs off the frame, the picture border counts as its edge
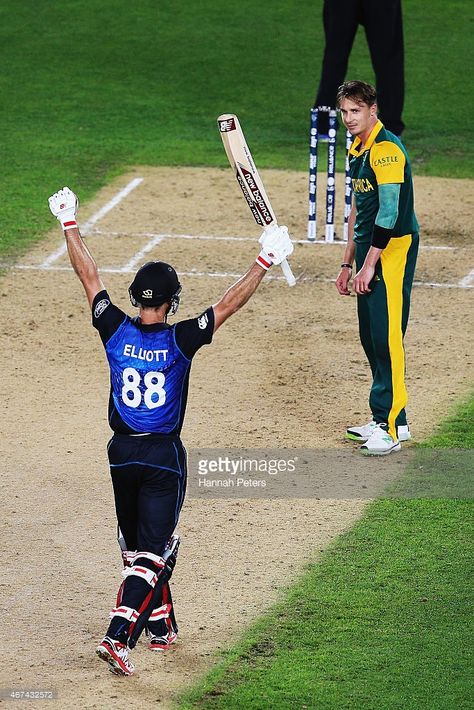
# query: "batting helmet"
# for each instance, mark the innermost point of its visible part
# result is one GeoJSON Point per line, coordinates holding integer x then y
{"type": "Point", "coordinates": [155, 283]}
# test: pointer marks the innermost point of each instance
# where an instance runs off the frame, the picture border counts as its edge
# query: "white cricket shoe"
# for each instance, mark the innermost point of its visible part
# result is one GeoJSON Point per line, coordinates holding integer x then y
{"type": "Point", "coordinates": [162, 643]}
{"type": "Point", "coordinates": [116, 655]}
{"type": "Point", "coordinates": [380, 443]}
{"type": "Point", "coordinates": [362, 433]}
{"type": "Point", "coordinates": [403, 432]}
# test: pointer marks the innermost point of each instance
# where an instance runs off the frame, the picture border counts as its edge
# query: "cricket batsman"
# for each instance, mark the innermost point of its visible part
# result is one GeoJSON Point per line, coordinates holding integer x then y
{"type": "Point", "coordinates": [150, 361]}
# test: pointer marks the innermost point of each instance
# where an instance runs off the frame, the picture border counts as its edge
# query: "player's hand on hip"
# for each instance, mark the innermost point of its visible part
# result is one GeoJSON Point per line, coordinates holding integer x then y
{"type": "Point", "coordinates": [276, 246]}
{"type": "Point", "coordinates": [64, 205]}
{"type": "Point", "coordinates": [362, 280]}
{"type": "Point", "coordinates": [342, 282]}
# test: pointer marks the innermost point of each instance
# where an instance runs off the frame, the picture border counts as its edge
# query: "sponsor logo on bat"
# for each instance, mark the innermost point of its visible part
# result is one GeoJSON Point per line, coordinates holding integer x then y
{"type": "Point", "coordinates": [228, 124]}
{"type": "Point", "coordinates": [250, 202]}
{"type": "Point", "coordinates": [256, 196]}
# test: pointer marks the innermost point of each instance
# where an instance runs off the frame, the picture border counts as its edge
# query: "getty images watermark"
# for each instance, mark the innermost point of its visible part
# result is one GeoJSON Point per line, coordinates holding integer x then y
{"type": "Point", "coordinates": [341, 473]}
{"type": "Point", "coordinates": [231, 471]}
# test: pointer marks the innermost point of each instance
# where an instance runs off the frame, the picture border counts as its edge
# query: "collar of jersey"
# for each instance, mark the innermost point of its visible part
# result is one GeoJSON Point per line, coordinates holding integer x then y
{"type": "Point", "coordinates": [373, 135]}
{"type": "Point", "coordinates": [149, 326]}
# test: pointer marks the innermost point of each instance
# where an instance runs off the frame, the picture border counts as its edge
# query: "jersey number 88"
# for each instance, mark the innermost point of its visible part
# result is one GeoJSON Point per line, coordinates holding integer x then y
{"type": "Point", "coordinates": [154, 395]}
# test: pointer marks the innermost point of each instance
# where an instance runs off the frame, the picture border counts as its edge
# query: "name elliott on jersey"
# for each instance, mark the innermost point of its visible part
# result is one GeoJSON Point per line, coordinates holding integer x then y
{"type": "Point", "coordinates": [143, 354]}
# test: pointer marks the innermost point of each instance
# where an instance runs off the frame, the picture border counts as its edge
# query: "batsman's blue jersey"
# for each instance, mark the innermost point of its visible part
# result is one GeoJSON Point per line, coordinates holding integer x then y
{"type": "Point", "coordinates": [149, 367]}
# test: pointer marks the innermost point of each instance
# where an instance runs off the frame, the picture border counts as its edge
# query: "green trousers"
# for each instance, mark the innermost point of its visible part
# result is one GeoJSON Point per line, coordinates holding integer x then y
{"type": "Point", "coordinates": [383, 317]}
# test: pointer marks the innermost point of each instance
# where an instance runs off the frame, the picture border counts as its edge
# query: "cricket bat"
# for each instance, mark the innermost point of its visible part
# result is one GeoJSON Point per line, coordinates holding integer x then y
{"type": "Point", "coordinates": [248, 178]}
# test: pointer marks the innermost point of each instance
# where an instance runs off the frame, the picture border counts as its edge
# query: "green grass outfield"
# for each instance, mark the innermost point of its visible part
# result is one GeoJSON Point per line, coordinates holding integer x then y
{"type": "Point", "coordinates": [383, 621]}
{"type": "Point", "coordinates": [90, 87]}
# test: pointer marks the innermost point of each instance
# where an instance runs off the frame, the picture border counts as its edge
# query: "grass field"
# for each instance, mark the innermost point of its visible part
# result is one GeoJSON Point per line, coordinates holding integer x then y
{"type": "Point", "coordinates": [90, 87]}
{"type": "Point", "coordinates": [383, 621]}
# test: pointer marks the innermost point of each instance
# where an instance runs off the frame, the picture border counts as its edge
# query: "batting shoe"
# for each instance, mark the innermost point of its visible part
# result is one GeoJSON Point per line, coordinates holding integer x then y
{"type": "Point", "coordinates": [380, 443]}
{"type": "Point", "coordinates": [162, 643]}
{"type": "Point", "coordinates": [116, 655]}
{"type": "Point", "coordinates": [362, 433]}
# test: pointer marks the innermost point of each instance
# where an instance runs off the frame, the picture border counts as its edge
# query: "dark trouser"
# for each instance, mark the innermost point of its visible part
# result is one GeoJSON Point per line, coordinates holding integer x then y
{"type": "Point", "coordinates": [382, 20]}
{"type": "Point", "coordinates": [383, 318]}
{"type": "Point", "coordinates": [149, 482]}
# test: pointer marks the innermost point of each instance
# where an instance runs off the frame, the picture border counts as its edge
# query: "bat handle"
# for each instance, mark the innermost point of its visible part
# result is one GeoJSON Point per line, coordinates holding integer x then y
{"type": "Point", "coordinates": [287, 272]}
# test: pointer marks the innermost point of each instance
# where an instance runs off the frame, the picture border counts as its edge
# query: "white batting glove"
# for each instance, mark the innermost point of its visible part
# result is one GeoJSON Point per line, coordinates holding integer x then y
{"type": "Point", "coordinates": [63, 205]}
{"type": "Point", "coordinates": [276, 246]}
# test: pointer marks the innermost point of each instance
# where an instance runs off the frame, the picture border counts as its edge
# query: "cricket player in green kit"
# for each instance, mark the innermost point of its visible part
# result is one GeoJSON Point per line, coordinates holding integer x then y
{"type": "Point", "coordinates": [383, 242]}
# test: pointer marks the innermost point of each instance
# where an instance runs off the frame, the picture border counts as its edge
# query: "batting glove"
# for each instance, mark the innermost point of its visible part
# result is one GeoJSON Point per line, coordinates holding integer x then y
{"type": "Point", "coordinates": [276, 246]}
{"type": "Point", "coordinates": [63, 205]}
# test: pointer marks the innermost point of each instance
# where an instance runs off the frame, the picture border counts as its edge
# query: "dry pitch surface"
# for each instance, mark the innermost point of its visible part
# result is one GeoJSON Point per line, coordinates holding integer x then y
{"type": "Point", "coordinates": [287, 371]}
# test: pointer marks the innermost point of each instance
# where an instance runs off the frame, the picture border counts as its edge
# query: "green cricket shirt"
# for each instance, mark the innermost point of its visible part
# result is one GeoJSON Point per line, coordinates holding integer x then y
{"type": "Point", "coordinates": [383, 160]}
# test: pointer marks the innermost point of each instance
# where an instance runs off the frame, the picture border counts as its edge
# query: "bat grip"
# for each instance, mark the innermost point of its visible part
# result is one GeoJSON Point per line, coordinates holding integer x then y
{"type": "Point", "coordinates": [287, 272]}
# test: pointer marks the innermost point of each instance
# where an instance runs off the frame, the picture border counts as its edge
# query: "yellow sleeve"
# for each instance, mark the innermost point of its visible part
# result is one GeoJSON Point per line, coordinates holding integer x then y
{"type": "Point", "coordinates": [388, 162]}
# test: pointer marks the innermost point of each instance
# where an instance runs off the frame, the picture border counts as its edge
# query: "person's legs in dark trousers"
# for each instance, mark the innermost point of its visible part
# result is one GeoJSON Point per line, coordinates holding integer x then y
{"type": "Point", "coordinates": [371, 309]}
{"type": "Point", "coordinates": [388, 396]}
{"type": "Point", "coordinates": [373, 332]}
{"type": "Point", "coordinates": [162, 621]}
{"type": "Point", "coordinates": [340, 20]}
{"type": "Point", "coordinates": [148, 501]}
{"type": "Point", "coordinates": [158, 504]}
{"type": "Point", "coordinates": [382, 20]}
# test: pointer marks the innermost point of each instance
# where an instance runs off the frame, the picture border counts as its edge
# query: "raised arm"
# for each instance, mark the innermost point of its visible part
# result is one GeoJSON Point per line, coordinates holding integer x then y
{"type": "Point", "coordinates": [276, 246]}
{"type": "Point", "coordinates": [63, 205]}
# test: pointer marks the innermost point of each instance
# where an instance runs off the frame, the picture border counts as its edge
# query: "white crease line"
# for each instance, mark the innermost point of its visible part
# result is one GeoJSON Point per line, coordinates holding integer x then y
{"type": "Point", "coordinates": [85, 228]}
{"type": "Point", "coordinates": [340, 243]}
{"type": "Point", "coordinates": [433, 247]}
{"type": "Point", "coordinates": [208, 237]}
{"type": "Point", "coordinates": [167, 235]}
{"type": "Point", "coordinates": [130, 265]}
{"type": "Point", "coordinates": [220, 274]}
{"type": "Point", "coordinates": [467, 281]}
{"type": "Point", "coordinates": [433, 284]}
